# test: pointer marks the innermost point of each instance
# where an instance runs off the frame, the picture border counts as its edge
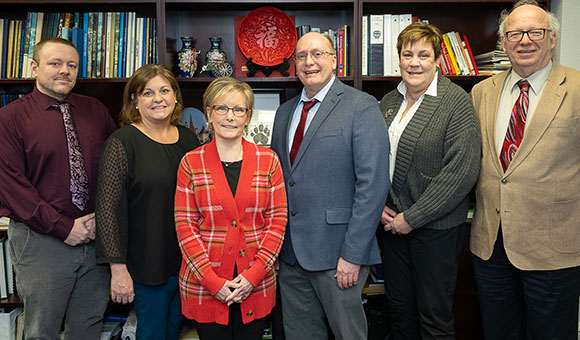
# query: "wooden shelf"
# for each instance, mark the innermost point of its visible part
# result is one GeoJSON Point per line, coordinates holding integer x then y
{"type": "Point", "coordinates": [11, 301]}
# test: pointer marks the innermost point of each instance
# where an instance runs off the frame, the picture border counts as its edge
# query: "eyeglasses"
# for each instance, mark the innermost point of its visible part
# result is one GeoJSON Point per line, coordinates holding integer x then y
{"type": "Point", "coordinates": [534, 34]}
{"type": "Point", "coordinates": [316, 55]}
{"type": "Point", "coordinates": [223, 110]}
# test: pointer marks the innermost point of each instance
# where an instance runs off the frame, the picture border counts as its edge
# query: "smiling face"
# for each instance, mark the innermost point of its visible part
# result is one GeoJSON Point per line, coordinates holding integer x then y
{"type": "Point", "coordinates": [418, 65]}
{"type": "Point", "coordinates": [56, 69]}
{"type": "Point", "coordinates": [157, 101]}
{"type": "Point", "coordinates": [315, 73]}
{"type": "Point", "coordinates": [228, 126]}
{"type": "Point", "coordinates": [528, 56]}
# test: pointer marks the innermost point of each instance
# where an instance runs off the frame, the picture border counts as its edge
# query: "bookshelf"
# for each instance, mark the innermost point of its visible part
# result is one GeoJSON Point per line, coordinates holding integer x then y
{"type": "Point", "coordinates": [205, 18]}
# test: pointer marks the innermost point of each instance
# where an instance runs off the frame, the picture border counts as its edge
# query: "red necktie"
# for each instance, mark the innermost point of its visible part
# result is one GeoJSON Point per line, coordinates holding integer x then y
{"type": "Point", "coordinates": [515, 131]}
{"type": "Point", "coordinates": [299, 134]}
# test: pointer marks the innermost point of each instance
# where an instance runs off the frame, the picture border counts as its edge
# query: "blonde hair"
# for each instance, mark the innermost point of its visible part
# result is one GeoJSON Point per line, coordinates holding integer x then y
{"type": "Point", "coordinates": [224, 85]}
{"type": "Point", "coordinates": [135, 86]}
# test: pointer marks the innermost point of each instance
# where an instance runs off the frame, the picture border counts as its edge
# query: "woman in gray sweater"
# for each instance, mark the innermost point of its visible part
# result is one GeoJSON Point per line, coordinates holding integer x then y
{"type": "Point", "coordinates": [434, 163]}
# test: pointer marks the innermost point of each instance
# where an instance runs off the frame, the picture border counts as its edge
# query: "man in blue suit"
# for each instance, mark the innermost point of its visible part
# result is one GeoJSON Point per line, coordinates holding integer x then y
{"type": "Point", "coordinates": [334, 148]}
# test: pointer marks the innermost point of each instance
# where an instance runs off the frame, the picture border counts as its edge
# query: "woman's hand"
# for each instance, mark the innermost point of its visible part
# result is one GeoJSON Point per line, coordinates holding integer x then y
{"type": "Point", "coordinates": [121, 284]}
{"type": "Point", "coordinates": [225, 291]}
{"type": "Point", "coordinates": [241, 292]}
{"type": "Point", "coordinates": [387, 215]}
{"type": "Point", "coordinates": [398, 225]}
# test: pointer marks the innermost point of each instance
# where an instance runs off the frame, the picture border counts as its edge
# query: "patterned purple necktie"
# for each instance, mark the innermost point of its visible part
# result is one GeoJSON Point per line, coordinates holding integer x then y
{"type": "Point", "coordinates": [516, 127]}
{"type": "Point", "coordinates": [79, 180]}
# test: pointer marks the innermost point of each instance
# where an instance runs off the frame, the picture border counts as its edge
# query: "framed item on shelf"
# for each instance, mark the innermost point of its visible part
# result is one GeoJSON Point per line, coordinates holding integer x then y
{"type": "Point", "coordinates": [266, 103]}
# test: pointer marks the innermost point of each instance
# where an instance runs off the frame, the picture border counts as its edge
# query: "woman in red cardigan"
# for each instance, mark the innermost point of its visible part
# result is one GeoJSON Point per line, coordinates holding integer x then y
{"type": "Point", "coordinates": [230, 215]}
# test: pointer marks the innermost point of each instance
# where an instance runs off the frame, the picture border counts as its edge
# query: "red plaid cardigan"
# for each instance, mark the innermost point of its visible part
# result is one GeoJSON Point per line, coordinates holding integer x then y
{"type": "Point", "coordinates": [216, 231]}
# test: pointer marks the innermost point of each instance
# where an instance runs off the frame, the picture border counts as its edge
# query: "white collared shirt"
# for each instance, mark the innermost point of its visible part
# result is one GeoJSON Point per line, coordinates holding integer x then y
{"type": "Point", "coordinates": [509, 96]}
{"type": "Point", "coordinates": [398, 125]}
{"type": "Point", "coordinates": [295, 120]}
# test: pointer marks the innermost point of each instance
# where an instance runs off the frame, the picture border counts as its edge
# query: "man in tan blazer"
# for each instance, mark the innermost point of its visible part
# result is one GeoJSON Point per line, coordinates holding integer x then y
{"type": "Point", "coordinates": [526, 229]}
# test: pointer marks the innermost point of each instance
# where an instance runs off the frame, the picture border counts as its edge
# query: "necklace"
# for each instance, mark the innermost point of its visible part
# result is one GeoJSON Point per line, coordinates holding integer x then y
{"type": "Point", "coordinates": [227, 164]}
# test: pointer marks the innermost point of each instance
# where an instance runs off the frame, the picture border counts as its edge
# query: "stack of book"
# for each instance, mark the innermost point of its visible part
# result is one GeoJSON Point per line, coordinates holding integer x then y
{"type": "Point", "coordinates": [111, 44]}
{"type": "Point", "coordinates": [456, 55]}
{"type": "Point", "coordinates": [379, 43]}
{"type": "Point", "coordinates": [6, 270]}
{"type": "Point", "coordinates": [492, 62]}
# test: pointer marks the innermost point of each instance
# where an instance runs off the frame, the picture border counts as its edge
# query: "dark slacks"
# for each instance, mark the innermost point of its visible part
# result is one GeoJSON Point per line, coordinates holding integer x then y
{"type": "Point", "coordinates": [420, 276]}
{"type": "Point", "coordinates": [234, 330]}
{"type": "Point", "coordinates": [519, 304]}
{"type": "Point", "coordinates": [158, 310]}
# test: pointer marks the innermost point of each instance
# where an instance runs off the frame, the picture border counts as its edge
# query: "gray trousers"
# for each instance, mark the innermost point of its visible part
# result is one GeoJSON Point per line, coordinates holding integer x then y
{"type": "Point", "coordinates": [310, 297]}
{"type": "Point", "coordinates": [56, 282]}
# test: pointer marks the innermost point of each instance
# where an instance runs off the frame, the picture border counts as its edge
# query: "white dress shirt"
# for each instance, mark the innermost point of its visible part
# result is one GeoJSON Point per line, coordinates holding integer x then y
{"type": "Point", "coordinates": [509, 96]}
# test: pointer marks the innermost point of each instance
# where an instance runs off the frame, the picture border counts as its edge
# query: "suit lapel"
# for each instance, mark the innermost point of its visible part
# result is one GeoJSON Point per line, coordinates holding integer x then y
{"type": "Point", "coordinates": [491, 100]}
{"type": "Point", "coordinates": [286, 120]}
{"type": "Point", "coordinates": [547, 107]}
{"type": "Point", "coordinates": [330, 101]}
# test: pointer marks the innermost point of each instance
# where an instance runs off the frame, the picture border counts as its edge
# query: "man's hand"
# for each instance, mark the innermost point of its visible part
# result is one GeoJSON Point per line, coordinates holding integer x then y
{"type": "Point", "coordinates": [121, 284]}
{"type": "Point", "coordinates": [243, 290]}
{"type": "Point", "coordinates": [388, 215]}
{"type": "Point", "coordinates": [346, 273]}
{"type": "Point", "coordinates": [398, 225]}
{"type": "Point", "coordinates": [83, 230]}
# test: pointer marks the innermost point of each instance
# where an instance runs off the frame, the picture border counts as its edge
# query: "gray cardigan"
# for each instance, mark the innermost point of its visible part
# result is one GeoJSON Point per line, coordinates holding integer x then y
{"type": "Point", "coordinates": [438, 157]}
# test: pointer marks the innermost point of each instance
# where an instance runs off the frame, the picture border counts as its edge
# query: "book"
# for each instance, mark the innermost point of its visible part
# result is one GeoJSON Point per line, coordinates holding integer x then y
{"type": "Point", "coordinates": [2, 44]}
{"type": "Point", "coordinates": [22, 39]}
{"type": "Point", "coordinates": [3, 280]}
{"type": "Point", "coordinates": [395, 30]}
{"type": "Point", "coordinates": [466, 44]}
{"type": "Point", "coordinates": [464, 53]}
{"type": "Point", "coordinates": [39, 24]}
{"type": "Point", "coordinates": [376, 42]}
{"type": "Point", "coordinates": [365, 46]}
{"type": "Point", "coordinates": [99, 47]}
{"type": "Point", "coordinates": [340, 52]}
{"type": "Point", "coordinates": [387, 46]}
{"type": "Point", "coordinates": [451, 54]}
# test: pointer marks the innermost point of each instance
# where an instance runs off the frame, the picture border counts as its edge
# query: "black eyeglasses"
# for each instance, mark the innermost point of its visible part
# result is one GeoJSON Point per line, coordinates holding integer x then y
{"type": "Point", "coordinates": [534, 34]}
{"type": "Point", "coordinates": [316, 55]}
{"type": "Point", "coordinates": [223, 110]}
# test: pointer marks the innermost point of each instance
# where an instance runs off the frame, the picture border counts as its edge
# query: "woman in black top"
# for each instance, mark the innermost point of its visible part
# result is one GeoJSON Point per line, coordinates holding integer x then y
{"type": "Point", "coordinates": [134, 212]}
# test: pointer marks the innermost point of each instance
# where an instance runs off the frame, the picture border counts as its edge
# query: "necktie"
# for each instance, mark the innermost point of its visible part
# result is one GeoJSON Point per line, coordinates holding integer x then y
{"type": "Point", "coordinates": [79, 180]}
{"type": "Point", "coordinates": [515, 131]}
{"type": "Point", "coordinates": [299, 134]}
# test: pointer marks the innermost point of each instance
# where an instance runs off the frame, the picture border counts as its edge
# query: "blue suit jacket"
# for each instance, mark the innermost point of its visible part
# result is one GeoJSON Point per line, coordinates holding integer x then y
{"type": "Point", "coordinates": [339, 182]}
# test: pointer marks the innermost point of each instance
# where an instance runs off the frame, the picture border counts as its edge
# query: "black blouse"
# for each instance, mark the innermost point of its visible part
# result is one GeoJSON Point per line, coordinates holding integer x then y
{"type": "Point", "coordinates": [135, 209]}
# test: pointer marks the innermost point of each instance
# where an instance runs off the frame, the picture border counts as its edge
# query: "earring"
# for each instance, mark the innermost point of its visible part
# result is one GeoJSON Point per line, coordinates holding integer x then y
{"type": "Point", "coordinates": [137, 108]}
{"type": "Point", "coordinates": [175, 101]}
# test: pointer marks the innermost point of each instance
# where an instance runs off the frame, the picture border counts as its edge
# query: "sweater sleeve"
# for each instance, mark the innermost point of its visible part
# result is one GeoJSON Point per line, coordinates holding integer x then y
{"type": "Point", "coordinates": [187, 220]}
{"type": "Point", "coordinates": [111, 211]}
{"type": "Point", "coordinates": [461, 162]}
{"type": "Point", "coordinates": [275, 216]}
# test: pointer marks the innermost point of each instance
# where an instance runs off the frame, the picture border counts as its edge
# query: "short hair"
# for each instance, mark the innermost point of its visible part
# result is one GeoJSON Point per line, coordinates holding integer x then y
{"type": "Point", "coordinates": [55, 40]}
{"type": "Point", "coordinates": [135, 86]}
{"type": "Point", "coordinates": [553, 22]}
{"type": "Point", "coordinates": [225, 85]}
{"type": "Point", "coordinates": [419, 31]}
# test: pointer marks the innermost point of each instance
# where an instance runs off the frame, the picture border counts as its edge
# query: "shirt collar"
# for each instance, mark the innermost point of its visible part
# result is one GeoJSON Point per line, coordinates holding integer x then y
{"type": "Point", "coordinates": [47, 102]}
{"type": "Point", "coordinates": [320, 95]}
{"type": "Point", "coordinates": [431, 90]}
{"type": "Point", "coordinates": [536, 80]}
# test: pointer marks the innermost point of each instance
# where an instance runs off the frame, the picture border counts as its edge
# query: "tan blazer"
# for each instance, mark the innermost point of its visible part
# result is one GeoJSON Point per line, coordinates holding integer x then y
{"type": "Point", "coordinates": [538, 197]}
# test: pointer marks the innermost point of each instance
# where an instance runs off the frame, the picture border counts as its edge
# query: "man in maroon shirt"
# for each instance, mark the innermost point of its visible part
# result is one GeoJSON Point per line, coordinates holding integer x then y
{"type": "Point", "coordinates": [51, 238]}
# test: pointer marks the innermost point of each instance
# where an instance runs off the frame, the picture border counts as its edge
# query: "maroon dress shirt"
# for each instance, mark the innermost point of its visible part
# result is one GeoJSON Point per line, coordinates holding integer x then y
{"type": "Point", "coordinates": [34, 165]}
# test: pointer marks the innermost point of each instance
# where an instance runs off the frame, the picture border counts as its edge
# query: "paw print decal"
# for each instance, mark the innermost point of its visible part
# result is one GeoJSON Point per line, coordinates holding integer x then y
{"type": "Point", "coordinates": [260, 134]}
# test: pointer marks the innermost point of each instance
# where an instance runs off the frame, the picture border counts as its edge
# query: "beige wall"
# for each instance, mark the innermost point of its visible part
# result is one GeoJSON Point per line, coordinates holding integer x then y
{"type": "Point", "coordinates": [567, 50]}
